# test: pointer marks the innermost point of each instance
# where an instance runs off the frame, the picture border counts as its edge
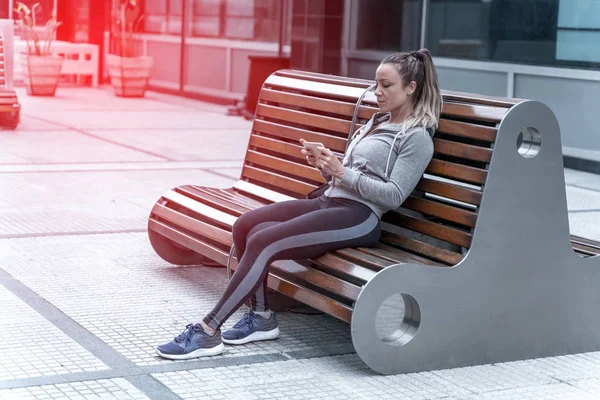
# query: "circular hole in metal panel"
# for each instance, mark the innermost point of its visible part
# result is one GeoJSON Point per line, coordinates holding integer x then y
{"type": "Point", "coordinates": [398, 319]}
{"type": "Point", "coordinates": [529, 142]}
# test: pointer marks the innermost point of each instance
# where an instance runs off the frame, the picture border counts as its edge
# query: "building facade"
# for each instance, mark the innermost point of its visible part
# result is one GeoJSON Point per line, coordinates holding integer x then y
{"type": "Point", "coordinates": [546, 50]}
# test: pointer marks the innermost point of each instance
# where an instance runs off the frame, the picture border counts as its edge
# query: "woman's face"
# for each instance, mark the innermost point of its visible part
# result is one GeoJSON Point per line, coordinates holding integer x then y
{"type": "Point", "coordinates": [391, 93]}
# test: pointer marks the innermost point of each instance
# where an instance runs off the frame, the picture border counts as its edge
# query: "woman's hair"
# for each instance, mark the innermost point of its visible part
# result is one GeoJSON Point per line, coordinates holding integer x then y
{"type": "Point", "coordinates": [427, 98]}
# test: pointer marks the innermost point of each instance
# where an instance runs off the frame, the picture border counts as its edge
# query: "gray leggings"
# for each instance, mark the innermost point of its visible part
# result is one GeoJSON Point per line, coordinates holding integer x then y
{"type": "Point", "coordinates": [290, 230]}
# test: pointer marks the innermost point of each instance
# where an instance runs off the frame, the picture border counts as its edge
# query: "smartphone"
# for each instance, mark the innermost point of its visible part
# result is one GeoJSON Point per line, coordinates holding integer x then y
{"type": "Point", "coordinates": [312, 147]}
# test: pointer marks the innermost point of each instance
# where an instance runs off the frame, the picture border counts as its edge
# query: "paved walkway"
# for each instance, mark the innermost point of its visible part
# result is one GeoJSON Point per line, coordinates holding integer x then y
{"type": "Point", "coordinates": [84, 299]}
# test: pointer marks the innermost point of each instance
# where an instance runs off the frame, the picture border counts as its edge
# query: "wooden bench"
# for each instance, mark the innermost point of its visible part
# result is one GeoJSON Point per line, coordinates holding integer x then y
{"type": "Point", "coordinates": [474, 213]}
{"type": "Point", "coordinates": [9, 103]}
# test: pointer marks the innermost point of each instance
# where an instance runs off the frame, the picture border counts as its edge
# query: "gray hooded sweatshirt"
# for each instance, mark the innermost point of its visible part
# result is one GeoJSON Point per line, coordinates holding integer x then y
{"type": "Point", "coordinates": [382, 165]}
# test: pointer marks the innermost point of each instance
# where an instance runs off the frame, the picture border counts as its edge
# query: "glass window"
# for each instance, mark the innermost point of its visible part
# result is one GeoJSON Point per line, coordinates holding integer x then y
{"type": "Point", "coordinates": [237, 19]}
{"type": "Point", "coordinates": [206, 19]}
{"type": "Point", "coordinates": [578, 33]}
{"type": "Point", "coordinates": [542, 32]}
{"type": "Point", "coordinates": [389, 25]}
{"type": "Point", "coordinates": [163, 16]}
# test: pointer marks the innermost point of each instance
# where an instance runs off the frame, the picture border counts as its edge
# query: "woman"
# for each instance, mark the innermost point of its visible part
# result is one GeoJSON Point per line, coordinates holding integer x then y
{"type": "Point", "coordinates": [382, 165]}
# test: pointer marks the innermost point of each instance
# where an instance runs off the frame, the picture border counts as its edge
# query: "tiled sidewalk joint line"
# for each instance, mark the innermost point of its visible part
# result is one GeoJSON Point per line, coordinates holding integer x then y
{"type": "Point", "coordinates": [81, 131]}
{"type": "Point", "coordinates": [201, 165]}
{"type": "Point", "coordinates": [143, 370]}
{"type": "Point", "coordinates": [140, 376]}
{"type": "Point", "coordinates": [582, 187]}
{"type": "Point", "coordinates": [212, 171]}
{"type": "Point", "coordinates": [76, 233]}
{"type": "Point", "coordinates": [83, 337]}
{"type": "Point", "coordinates": [584, 211]}
{"type": "Point", "coordinates": [321, 352]}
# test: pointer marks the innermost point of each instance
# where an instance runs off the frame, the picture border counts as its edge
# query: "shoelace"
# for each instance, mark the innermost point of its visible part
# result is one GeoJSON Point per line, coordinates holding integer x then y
{"type": "Point", "coordinates": [185, 335]}
{"type": "Point", "coordinates": [247, 319]}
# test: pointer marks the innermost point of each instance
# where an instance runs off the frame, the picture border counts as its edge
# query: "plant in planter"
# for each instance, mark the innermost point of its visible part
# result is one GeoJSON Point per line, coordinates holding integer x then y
{"type": "Point", "coordinates": [41, 68]}
{"type": "Point", "coordinates": [128, 72]}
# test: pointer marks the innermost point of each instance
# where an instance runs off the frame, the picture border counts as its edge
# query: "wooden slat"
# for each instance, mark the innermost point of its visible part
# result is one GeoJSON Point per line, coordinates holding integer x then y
{"type": "Point", "coordinates": [461, 150]}
{"type": "Point", "coordinates": [192, 243]}
{"type": "Point", "coordinates": [303, 118]}
{"type": "Point", "coordinates": [277, 180]}
{"type": "Point", "coordinates": [295, 134]}
{"type": "Point", "coordinates": [213, 201]}
{"type": "Point", "coordinates": [329, 90]}
{"type": "Point", "coordinates": [367, 260]}
{"type": "Point", "coordinates": [587, 242]}
{"type": "Point", "coordinates": [468, 130]}
{"type": "Point", "coordinates": [299, 272]}
{"type": "Point", "coordinates": [268, 195]}
{"type": "Point", "coordinates": [438, 231]}
{"type": "Point", "coordinates": [456, 171]}
{"type": "Point", "coordinates": [474, 111]}
{"type": "Point", "coordinates": [446, 256]}
{"type": "Point", "coordinates": [230, 196]}
{"type": "Point", "coordinates": [449, 190]}
{"type": "Point", "coordinates": [265, 143]}
{"type": "Point", "coordinates": [181, 220]}
{"type": "Point", "coordinates": [309, 297]}
{"type": "Point", "coordinates": [289, 149]}
{"type": "Point", "coordinates": [396, 255]}
{"type": "Point", "coordinates": [317, 77]}
{"type": "Point", "coordinates": [343, 267]}
{"type": "Point", "coordinates": [292, 168]}
{"type": "Point", "coordinates": [443, 211]}
{"type": "Point", "coordinates": [8, 108]}
{"type": "Point", "coordinates": [310, 102]}
{"type": "Point", "coordinates": [506, 102]}
{"type": "Point", "coordinates": [587, 247]}
{"type": "Point", "coordinates": [209, 212]}
{"type": "Point", "coordinates": [318, 278]}
{"type": "Point", "coordinates": [585, 250]}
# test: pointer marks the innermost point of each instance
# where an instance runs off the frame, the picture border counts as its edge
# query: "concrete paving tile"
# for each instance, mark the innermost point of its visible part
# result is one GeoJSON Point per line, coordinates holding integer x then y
{"type": "Point", "coordinates": [37, 203]}
{"type": "Point", "coordinates": [327, 377]}
{"type": "Point", "coordinates": [556, 391]}
{"type": "Point", "coordinates": [211, 143]}
{"type": "Point", "coordinates": [582, 199]}
{"type": "Point", "coordinates": [103, 98]}
{"type": "Point", "coordinates": [591, 386]}
{"type": "Point", "coordinates": [582, 179]}
{"type": "Point", "coordinates": [30, 346]}
{"type": "Point", "coordinates": [117, 288]}
{"type": "Point", "coordinates": [105, 389]}
{"type": "Point", "coordinates": [29, 123]}
{"type": "Point", "coordinates": [142, 119]}
{"type": "Point", "coordinates": [64, 146]}
{"type": "Point", "coordinates": [586, 224]}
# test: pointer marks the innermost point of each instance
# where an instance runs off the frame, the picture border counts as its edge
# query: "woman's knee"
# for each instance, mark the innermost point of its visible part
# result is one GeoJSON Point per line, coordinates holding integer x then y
{"type": "Point", "coordinates": [259, 241]}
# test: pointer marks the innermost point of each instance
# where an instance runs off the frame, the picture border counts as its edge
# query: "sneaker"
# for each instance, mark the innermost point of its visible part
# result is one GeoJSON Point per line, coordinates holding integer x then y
{"type": "Point", "coordinates": [192, 343]}
{"type": "Point", "coordinates": [252, 328]}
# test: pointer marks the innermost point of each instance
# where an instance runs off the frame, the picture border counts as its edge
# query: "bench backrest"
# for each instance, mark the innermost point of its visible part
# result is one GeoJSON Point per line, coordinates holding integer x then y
{"type": "Point", "coordinates": [2, 62]}
{"type": "Point", "coordinates": [437, 220]}
{"type": "Point", "coordinates": [6, 53]}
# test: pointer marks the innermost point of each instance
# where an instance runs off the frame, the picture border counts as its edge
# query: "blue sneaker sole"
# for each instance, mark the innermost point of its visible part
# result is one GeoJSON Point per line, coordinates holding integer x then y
{"type": "Point", "coordinates": [254, 337]}
{"type": "Point", "coordinates": [214, 351]}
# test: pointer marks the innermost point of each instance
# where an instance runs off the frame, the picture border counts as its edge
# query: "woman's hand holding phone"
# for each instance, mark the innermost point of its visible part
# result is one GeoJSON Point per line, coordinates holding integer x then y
{"type": "Point", "coordinates": [322, 158]}
{"type": "Point", "coordinates": [311, 151]}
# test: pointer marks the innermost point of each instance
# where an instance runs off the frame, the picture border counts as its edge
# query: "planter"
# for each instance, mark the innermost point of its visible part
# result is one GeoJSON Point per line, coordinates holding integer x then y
{"type": "Point", "coordinates": [129, 75]}
{"type": "Point", "coordinates": [41, 73]}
